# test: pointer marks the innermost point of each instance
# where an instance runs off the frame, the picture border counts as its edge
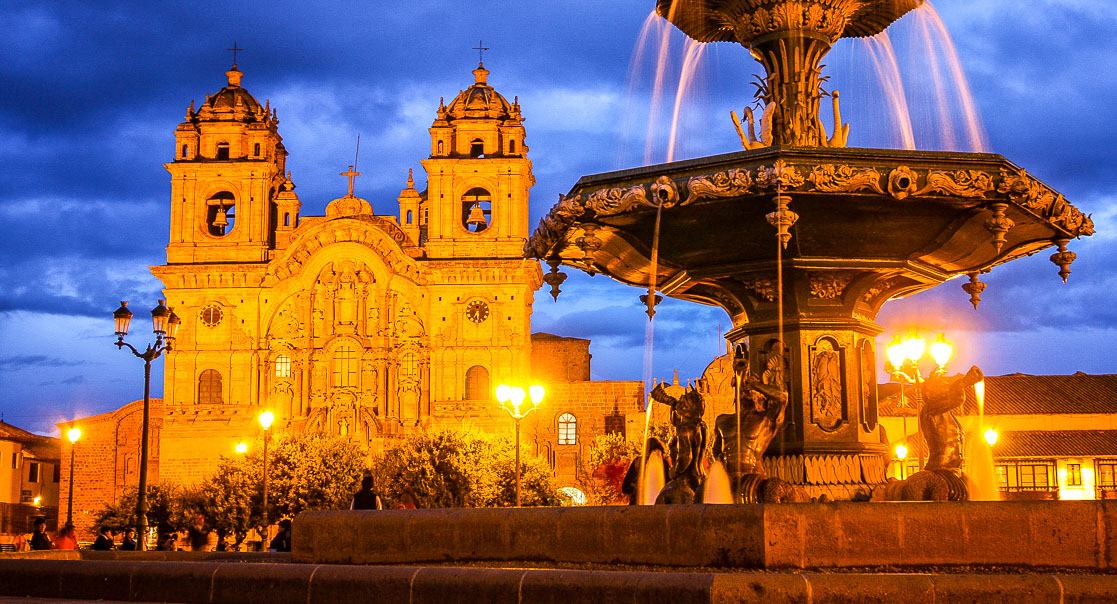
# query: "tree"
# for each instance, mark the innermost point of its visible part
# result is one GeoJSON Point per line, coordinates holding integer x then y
{"type": "Point", "coordinates": [231, 499]}
{"type": "Point", "coordinates": [450, 469]}
{"type": "Point", "coordinates": [166, 509]}
{"type": "Point", "coordinates": [312, 471]}
{"type": "Point", "coordinates": [601, 474]}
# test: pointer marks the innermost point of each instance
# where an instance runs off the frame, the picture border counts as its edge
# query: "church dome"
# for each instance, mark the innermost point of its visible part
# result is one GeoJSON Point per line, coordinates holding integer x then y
{"type": "Point", "coordinates": [233, 103]}
{"type": "Point", "coordinates": [480, 101]}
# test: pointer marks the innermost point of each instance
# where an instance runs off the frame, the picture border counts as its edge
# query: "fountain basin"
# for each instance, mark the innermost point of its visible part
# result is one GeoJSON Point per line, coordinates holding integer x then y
{"type": "Point", "coordinates": [906, 536]}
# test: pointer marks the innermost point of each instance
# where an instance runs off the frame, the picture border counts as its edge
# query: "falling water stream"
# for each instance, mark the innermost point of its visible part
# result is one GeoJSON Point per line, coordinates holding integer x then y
{"type": "Point", "coordinates": [979, 461]}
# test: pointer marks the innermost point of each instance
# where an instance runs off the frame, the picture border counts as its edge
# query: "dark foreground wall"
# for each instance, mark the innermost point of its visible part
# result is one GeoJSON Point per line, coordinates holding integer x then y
{"type": "Point", "coordinates": [241, 583]}
{"type": "Point", "coordinates": [1030, 534]}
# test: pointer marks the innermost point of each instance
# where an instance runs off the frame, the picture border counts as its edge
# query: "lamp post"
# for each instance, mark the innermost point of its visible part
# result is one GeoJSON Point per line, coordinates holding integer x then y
{"type": "Point", "coordinates": [165, 326]}
{"type": "Point", "coordinates": [73, 434]}
{"type": "Point", "coordinates": [510, 399]}
{"type": "Point", "coordinates": [266, 419]}
{"type": "Point", "coordinates": [903, 364]}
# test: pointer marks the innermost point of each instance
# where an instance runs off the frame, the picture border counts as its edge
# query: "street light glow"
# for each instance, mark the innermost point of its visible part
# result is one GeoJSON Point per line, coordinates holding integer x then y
{"type": "Point", "coordinates": [901, 452]}
{"type": "Point", "coordinates": [941, 350]}
{"type": "Point", "coordinates": [991, 437]}
{"type": "Point", "coordinates": [266, 418]}
{"type": "Point", "coordinates": [73, 434]}
{"type": "Point", "coordinates": [242, 448]}
{"type": "Point", "coordinates": [914, 347]}
{"type": "Point", "coordinates": [895, 352]}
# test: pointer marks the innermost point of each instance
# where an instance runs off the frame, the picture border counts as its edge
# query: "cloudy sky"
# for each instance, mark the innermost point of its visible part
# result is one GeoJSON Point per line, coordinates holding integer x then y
{"type": "Point", "coordinates": [90, 94]}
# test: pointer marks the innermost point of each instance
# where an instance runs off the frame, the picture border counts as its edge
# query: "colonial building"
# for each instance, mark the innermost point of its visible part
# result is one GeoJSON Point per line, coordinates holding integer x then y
{"type": "Point", "coordinates": [1054, 436]}
{"type": "Point", "coordinates": [29, 477]}
{"type": "Point", "coordinates": [359, 324]}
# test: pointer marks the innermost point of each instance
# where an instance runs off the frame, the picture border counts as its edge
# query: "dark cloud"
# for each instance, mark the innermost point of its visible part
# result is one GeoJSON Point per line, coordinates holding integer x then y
{"type": "Point", "coordinates": [35, 360]}
{"type": "Point", "coordinates": [93, 92]}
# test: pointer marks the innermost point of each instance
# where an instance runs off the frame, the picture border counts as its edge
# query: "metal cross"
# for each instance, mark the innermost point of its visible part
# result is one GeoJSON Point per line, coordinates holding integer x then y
{"type": "Point", "coordinates": [234, 49]}
{"type": "Point", "coordinates": [351, 174]}
{"type": "Point", "coordinates": [480, 48]}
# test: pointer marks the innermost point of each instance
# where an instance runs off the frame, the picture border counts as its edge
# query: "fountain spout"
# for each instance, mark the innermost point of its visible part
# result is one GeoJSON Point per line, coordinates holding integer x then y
{"type": "Point", "coordinates": [789, 38]}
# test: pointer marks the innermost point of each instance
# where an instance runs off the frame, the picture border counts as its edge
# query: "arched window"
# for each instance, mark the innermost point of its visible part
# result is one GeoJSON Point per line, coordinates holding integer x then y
{"type": "Point", "coordinates": [476, 209]}
{"type": "Point", "coordinates": [440, 147]}
{"type": "Point", "coordinates": [345, 366]}
{"type": "Point", "coordinates": [476, 148]}
{"type": "Point", "coordinates": [283, 366]}
{"type": "Point", "coordinates": [209, 387]}
{"type": "Point", "coordinates": [512, 147]}
{"type": "Point", "coordinates": [476, 383]}
{"type": "Point", "coordinates": [220, 213]}
{"type": "Point", "coordinates": [409, 217]}
{"type": "Point", "coordinates": [256, 149]}
{"type": "Point", "coordinates": [185, 151]}
{"type": "Point", "coordinates": [222, 151]}
{"type": "Point", "coordinates": [567, 429]}
{"type": "Point", "coordinates": [287, 219]}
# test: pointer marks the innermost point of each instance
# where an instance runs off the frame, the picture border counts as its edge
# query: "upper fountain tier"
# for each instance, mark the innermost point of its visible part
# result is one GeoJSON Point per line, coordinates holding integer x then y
{"type": "Point", "coordinates": [789, 38]}
{"type": "Point", "coordinates": [746, 21]}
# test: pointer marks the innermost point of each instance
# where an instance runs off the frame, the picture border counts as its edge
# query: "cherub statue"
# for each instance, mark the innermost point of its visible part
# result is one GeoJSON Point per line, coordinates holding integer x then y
{"type": "Point", "coordinates": [945, 436]}
{"type": "Point", "coordinates": [762, 407]}
{"type": "Point", "coordinates": [687, 446]}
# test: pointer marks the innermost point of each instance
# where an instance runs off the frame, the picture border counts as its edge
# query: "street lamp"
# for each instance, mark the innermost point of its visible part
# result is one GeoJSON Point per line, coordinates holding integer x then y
{"type": "Point", "coordinates": [991, 437]}
{"type": "Point", "coordinates": [241, 448]}
{"type": "Point", "coordinates": [510, 399]}
{"type": "Point", "coordinates": [266, 418]}
{"type": "Point", "coordinates": [903, 364]}
{"type": "Point", "coordinates": [73, 434]}
{"type": "Point", "coordinates": [165, 326]}
{"type": "Point", "coordinates": [901, 454]}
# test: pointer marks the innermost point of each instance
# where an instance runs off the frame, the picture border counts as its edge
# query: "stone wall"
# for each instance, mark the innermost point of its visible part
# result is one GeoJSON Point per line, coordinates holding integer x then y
{"type": "Point", "coordinates": [559, 359]}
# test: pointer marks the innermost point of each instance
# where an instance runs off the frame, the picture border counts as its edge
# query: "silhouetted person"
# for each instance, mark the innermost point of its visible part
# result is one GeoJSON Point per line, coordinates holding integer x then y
{"type": "Point", "coordinates": [40, 540]}
{"type": "Point", "coordinates": [66, 538]}
{"type": "Point", "coordinates": [200, 538]}
{"type": "Point", "coordinates": [104, 541]}
{"type": "Point", "coordinates": [366, 498]}
{"type": "Point", "coordinates": [128, 544]}
{"type": "Point", "coordinates": [282, 540]}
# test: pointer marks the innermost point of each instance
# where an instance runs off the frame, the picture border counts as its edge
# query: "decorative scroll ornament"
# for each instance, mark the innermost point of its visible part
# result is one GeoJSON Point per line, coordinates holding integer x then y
{"type": "Point", "coordinates": [999, 224]}
{"type": "Point", "coordinates": [828, 286]}
{"type": "Point", "coordinates": [780, 175]}
{"type": "Point", "coordinates": [589, 243]}
{"type": "Point", "coordinates": [552, 227]}
{"type": "Point", "coordinates": [830, 178]}
{"type": "Point", "coordinates": [974, 289]}
{"type": "Point", "coordinates": [902, 182]}
{"type": "Point", "coordinates": [665, 192]}
{"type": "Point", "coordinates": [826, 393]}
{"type": "Point", "coordinates": [554, 278]}
{"type": "Point", "coordinates": [730, 183]}
{"type": "Point", "coordinates": [1036, 196]}
{"type": "Point", "coordinates": [610, 202]}
{"type": "Point", "coordinates": [960, 183]}
{"type": "Point", "coordinates": [877, 290]}
{"type": "Point", "coordinates": [783, 219]}
{"type": "Point", "coordinates": [1063, 258]}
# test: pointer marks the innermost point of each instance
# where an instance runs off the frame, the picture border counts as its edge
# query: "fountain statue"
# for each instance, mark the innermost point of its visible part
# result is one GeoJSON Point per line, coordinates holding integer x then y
{"type": "Point", "coordinates": [802, 240]}
{"type": "Point", "coordinates": [687, 446]}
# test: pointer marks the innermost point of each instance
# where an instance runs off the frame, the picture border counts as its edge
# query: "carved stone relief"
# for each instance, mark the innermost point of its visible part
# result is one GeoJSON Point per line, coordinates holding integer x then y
{"type": "Point", "coordinates": [827, 389]}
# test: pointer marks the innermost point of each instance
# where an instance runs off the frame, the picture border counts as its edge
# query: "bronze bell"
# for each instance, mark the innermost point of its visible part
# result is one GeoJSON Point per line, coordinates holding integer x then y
{"type": "Point", "coordinates": [477, 217]}
{"type": "Point", "coordinates": [220, 221]}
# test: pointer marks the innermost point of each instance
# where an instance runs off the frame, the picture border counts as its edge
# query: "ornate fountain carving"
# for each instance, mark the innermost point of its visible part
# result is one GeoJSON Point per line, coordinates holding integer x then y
{"type": "Point", "coordinates": [831, 178]}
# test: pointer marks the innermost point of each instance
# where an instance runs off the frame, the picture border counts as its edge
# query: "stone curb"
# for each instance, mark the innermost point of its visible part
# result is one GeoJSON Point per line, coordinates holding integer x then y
{"type": "Point", "coordinates": [1021, 534]}
{"type": "Point", "coordinates": [231, 583]}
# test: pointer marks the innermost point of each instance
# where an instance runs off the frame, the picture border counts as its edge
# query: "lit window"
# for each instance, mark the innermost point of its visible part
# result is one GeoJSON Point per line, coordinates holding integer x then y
{"type": "Point", "coordinates": [209, 387]}
{"type": "Point", "coordinates": [1074, 475]}
{"type": "Point", "coordinates": [1107, 472]}
{"type": "Point", "coordinates": [345, 367]}
{"type": "Point", "coordinates": [476, 383]}
{"type": "Point", "coordinates": [567, 429]}
{"type": "Point", "coordinates": [1002, 477]}
{"type": "Point", "coordinates": [283, 366]}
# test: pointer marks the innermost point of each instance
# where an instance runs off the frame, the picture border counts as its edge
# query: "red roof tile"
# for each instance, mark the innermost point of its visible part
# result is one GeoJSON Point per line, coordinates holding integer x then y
{"type": "Point", "coordinates": [1056, 443]}
{"type": "Point", "coordinates": [1020, 394]}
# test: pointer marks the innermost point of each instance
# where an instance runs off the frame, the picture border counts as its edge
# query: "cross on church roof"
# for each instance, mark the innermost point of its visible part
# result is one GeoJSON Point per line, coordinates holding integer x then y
{"type": "Point", "coordinates": [351, 174]}
{"type": "Point", "coordinates": [480, 48]}
{"type": "Point", "coordinates": [234, 49]}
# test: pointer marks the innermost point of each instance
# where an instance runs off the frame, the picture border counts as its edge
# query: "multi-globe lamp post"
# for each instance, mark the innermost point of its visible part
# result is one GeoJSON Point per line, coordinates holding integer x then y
{"type": "Point", "coordinates": [73, 434]}
{"type": "Point", "coordinates": [511, 399]}
{"type": "Point", "coordinates": [904, 356]}
{"type": "Point", "coordinates": [165, 327]}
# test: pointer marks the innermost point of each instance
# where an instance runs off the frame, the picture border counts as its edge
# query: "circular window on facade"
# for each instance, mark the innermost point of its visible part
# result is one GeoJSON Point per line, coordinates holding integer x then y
{"type": "Point", "coordinates": [211, 315]}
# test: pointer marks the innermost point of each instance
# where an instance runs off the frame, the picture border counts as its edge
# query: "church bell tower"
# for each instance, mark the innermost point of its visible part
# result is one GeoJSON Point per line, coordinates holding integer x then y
{"type": "Point", "coordinates": [478, 177]}
{"type": "Point", "coordinates": [227, 173]}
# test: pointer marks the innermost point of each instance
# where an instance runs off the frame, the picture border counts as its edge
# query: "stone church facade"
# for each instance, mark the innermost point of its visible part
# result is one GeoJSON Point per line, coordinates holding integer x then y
{"type": "Point", "coordinates": [355, 324]}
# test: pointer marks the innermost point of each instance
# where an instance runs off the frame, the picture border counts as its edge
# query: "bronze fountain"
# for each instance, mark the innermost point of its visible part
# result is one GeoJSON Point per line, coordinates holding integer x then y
{"type": "Point", "coordinates": [853, 228]}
